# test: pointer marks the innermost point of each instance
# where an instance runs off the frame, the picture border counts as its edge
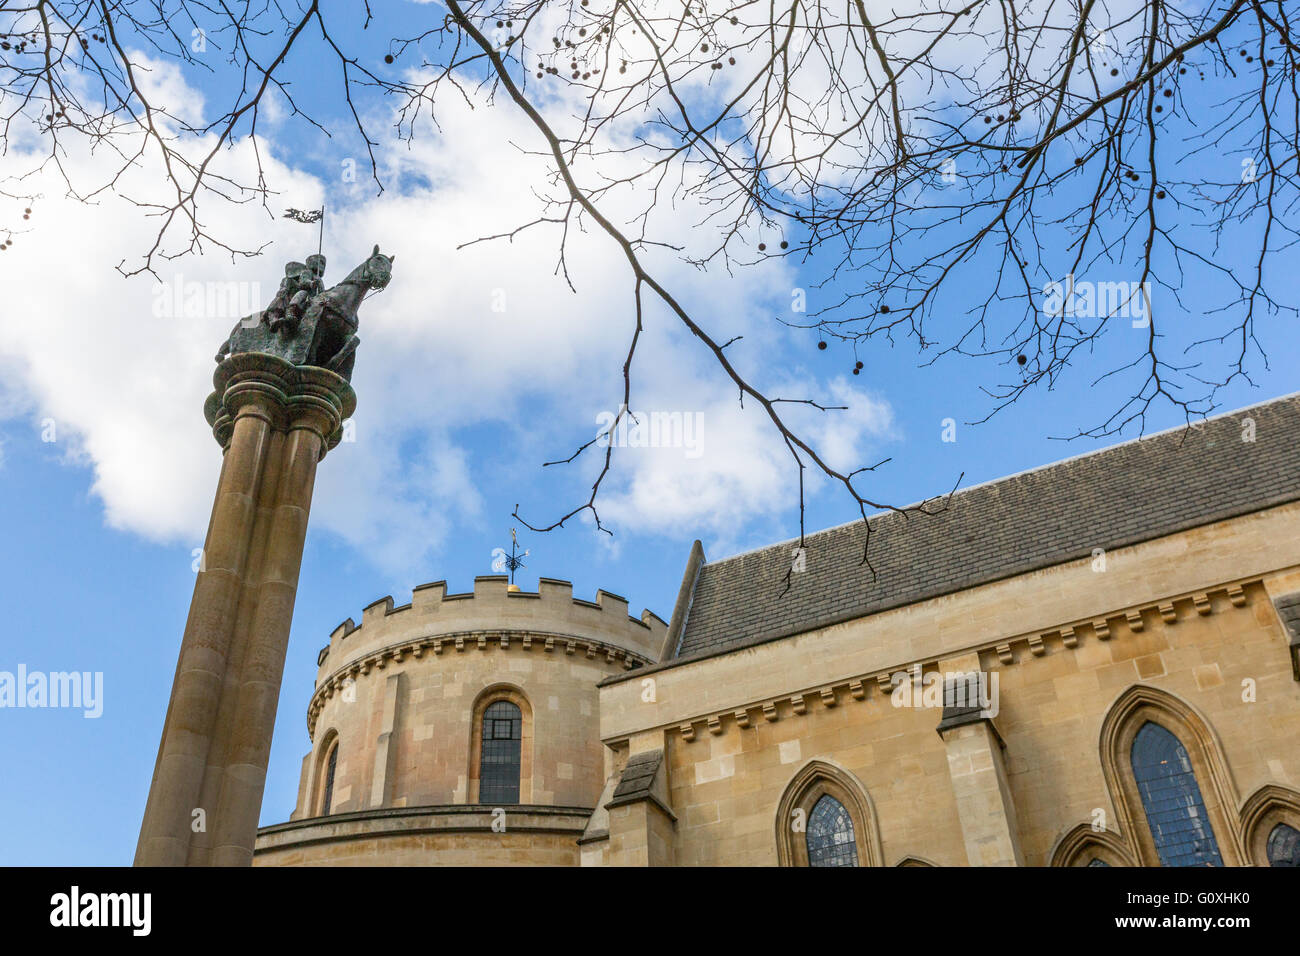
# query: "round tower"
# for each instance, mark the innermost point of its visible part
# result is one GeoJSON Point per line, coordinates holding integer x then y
{"type": "Point", "coordinates": [460, 729]}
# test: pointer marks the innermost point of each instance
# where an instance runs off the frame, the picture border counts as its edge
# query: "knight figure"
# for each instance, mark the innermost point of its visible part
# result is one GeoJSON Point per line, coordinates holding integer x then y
{"type": "Point", "coordinates": [307, 324]}
{"type": "Point", "coordinates": [301, 283]}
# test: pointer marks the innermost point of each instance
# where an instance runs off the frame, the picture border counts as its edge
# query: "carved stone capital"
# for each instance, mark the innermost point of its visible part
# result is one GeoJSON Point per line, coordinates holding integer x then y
{"type": "Point", "coordinates": [287, 396]}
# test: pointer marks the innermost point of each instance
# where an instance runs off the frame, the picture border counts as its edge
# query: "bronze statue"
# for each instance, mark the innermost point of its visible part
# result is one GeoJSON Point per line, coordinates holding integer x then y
{"type": "Point", "coordinates": [306, 324]}
{"type": "Point", "coordinates": [300, 284]}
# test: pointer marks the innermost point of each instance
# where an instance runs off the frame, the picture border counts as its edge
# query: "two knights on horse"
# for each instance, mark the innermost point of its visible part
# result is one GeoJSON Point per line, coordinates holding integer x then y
{"type": "Point", "coordinates": [302, 282]}
{"type": "Point", "coordinates": [307, 324]}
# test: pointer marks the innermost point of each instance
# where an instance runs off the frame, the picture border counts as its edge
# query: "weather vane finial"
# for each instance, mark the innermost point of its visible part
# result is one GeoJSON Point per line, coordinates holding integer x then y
{"type": "Point", "coordinates": [514, 560]}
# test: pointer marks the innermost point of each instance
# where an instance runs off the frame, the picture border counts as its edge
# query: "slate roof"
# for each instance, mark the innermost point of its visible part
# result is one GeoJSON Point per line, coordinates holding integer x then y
{"type": "Point", "coordinates": [1117, 496]}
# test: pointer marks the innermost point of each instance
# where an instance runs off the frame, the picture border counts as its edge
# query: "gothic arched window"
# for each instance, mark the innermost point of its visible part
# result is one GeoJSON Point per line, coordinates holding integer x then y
{"type": "Point", "coordinates": [1084, 845]}
{"type": "Point", "coordinates": [327, 791]}
{"type": "Point", "coordinates": [1171, 797]}
{"type": "Point", "coordinates": [830, 835]}
{"type": "Point", "coordinates": [825, 818]}
{"type": "Point", "coordinates": [500, 754]}
{"type": "Point", "coordinates": [1284, 846]}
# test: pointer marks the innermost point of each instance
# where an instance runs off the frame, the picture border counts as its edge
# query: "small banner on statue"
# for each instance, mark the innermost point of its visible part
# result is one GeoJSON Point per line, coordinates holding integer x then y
{"type": "Point", "coordinates": [304, 215]}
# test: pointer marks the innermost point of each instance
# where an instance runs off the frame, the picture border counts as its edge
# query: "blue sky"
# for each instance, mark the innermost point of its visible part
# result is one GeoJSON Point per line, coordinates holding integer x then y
{"type": "Point", "coordinates": [459, 407]}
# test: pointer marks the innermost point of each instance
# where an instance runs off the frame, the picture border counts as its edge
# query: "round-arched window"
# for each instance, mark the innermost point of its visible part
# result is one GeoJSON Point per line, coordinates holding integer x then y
{"type": "Point", "coordinates": [327, 791]}
{"type": "Point", "coordinates": [499, 760]}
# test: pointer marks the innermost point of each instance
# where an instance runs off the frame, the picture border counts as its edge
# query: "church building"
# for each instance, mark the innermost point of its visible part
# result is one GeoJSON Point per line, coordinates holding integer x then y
{"type": "Point", "coordinates": [1093, 663]}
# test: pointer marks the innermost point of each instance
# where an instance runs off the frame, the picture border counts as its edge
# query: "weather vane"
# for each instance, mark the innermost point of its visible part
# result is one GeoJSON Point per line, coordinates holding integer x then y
{"type": "Point", "coordinates": [514, 560]}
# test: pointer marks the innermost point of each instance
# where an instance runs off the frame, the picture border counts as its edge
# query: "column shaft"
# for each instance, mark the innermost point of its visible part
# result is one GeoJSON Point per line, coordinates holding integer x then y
{"type": "Point", "coordinates": [979, 782]}
{"type": "Point", "coordinates": [275, 422]}
{"type": "Point", "coordinates": [258, 691]}
{"type": "Point", "coordinates": [174, 793]}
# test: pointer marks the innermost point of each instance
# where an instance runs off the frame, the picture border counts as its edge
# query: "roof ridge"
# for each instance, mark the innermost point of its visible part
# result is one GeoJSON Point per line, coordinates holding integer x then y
{"type": "Point", "coordinates": [1005, 478]}
{"type": "Point", "coordinates": [1114, 497]}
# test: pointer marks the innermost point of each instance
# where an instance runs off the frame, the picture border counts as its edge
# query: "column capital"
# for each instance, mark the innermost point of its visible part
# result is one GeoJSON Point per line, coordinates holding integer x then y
{"type": "Point", "coordinates": [954, 717]}
{"type": "Point", "coordinates": [1288, 609]}
{"type": "Point", "coordinates": [963, 705]}
{"type": "Point", "coordinates": [288, 396]}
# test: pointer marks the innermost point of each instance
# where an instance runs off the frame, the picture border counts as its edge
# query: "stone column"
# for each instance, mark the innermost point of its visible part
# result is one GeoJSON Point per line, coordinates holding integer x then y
{"type": "Point", "coordinates": [987, 812]}
{"type": "Point", "coordinates": [274, 421]}
{"type": "Point", "coordinates": [386, 746]}
{"type": "Point", "coordinates": [641, 821]}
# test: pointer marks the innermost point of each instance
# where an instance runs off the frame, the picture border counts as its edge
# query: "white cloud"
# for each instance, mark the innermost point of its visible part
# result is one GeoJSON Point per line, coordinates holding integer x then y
{"type": "Point", "coordinates": [126, 385]}
{"type": "Point", "coordinates": [737, 469]}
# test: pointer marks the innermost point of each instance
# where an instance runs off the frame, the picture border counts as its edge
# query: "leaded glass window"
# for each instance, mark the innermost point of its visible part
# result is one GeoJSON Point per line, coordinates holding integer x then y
{"type": "Point", "coordinates": [330, 766]}
{"type": "Point", "coordinates": [830, 835]}
{"type": "Point", "coordinates": [1284, 846]}
{"type": "Point", "coordinates": [499, 765]}
{"type": "Point", "coordinates": [1097, 861]}
{"type": "Point", "coordinates": [1172, 799]}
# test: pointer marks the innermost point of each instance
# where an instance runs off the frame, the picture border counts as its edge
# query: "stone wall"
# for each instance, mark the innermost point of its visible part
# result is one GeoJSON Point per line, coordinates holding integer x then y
{"type": "Point", "coordinates": [445, 836]}
{"type": "Point", "coordinates": [402, 695]}
{"type": "Point", "coordinates": [707, 760]}
{"type": "Point", "coordinates": [1186, 623]}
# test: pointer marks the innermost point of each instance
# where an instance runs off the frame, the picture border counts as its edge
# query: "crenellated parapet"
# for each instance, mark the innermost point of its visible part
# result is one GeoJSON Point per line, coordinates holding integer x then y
{"type": "Point", "coordinates": [549, 622]}
{"type": "Point", "coordinates": [433, 612]}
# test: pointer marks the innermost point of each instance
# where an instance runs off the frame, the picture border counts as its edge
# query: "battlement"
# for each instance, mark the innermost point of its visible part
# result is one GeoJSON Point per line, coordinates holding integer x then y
{"type": "Point", "coordinates": [552, 608]}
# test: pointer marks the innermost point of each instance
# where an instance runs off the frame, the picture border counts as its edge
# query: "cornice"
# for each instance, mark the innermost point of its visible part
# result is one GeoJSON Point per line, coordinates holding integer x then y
{"type": "Point", "coordinates": [434, 819]}
{"type": "Point", "coordinates": [1010, 651]}
{"type": "Point", "coordinates": [459, 642]}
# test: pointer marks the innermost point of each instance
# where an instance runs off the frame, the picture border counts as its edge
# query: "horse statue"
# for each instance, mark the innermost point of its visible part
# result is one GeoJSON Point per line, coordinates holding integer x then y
{"type": "Point", "coordinates": [321, 333]}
